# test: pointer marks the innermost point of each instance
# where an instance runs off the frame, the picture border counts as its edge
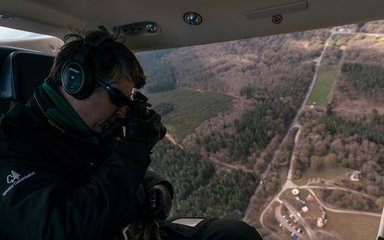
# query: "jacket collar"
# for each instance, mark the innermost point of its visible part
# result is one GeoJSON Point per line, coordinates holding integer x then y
{"type": "Point", "coordinates": [47, 102]}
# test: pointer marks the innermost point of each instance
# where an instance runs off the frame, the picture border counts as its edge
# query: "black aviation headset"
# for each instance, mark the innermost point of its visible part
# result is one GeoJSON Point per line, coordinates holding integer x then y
{"type": "Point", "coordinates": [76, 77]}
{"type": "Point", "coordinates": [78, 80]}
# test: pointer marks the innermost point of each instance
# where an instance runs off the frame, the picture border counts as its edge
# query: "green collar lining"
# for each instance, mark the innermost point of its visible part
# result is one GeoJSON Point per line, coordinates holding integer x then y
{"type": "Point", "coordinates": [64, 114]}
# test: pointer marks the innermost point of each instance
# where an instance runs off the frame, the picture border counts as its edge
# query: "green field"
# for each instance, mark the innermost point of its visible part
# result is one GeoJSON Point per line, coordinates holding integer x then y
{"type": "Point", "coordinates": [191, 108]}
{"type": "Point", "coordinates": [323, 85]}
{"type": "Point", "coordinates": [352, 226]}
{"type": "Point", "coordinates": [324, 173]}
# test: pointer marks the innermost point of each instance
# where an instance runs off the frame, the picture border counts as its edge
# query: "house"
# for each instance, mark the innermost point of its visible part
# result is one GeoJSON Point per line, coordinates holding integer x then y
{"type": "Point", "coordinates": [355, 177]}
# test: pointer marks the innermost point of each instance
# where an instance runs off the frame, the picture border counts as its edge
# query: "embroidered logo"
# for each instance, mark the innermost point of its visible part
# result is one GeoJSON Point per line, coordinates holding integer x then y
{"type": "Point", "coordinates": [15, 178]}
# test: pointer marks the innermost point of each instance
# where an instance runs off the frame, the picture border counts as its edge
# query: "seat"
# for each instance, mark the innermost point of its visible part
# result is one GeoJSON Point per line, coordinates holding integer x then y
{"type": "Point", "coordinates": [22, 72]}
{"type": "Point", "coordinates": [4, 52]}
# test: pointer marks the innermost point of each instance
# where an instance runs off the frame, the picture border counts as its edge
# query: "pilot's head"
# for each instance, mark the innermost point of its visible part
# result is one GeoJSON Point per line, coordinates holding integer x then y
{"type": "Point", "coordinates": [96, 75]}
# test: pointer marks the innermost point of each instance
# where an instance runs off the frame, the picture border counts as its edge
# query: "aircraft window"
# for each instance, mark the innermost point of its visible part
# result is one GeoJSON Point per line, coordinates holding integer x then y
{"type": "Point", "coordinates": [285, 131]}
{"type": "Point", "coordinates": [29, 40]}
{"type": "Point", "coordinates": [7, 34]}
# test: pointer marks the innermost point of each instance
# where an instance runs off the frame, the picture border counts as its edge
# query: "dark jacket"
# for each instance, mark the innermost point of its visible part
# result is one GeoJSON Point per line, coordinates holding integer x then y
{"type": "Point", "coordinates": [59, 184]}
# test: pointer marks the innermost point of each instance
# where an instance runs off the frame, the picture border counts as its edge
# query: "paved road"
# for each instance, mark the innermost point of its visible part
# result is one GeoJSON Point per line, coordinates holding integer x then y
{"type": "Point", "coordinates": [294, 124]}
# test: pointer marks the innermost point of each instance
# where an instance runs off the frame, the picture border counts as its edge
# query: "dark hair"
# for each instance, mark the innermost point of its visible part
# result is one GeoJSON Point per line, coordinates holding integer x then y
{"type": "Point", "coordinates": [109, 61]}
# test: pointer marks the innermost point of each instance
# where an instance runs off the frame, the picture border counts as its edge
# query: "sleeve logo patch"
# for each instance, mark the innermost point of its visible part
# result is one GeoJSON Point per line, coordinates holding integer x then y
{"type": "Point", "coordinates": [15, 178]}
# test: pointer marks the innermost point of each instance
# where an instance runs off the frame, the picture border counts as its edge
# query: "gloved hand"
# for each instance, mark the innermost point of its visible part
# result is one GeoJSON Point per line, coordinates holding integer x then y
{"type": "Point", "coordinates": [148, 129]}
{"type": "Point", "coordinates": [160, 202]}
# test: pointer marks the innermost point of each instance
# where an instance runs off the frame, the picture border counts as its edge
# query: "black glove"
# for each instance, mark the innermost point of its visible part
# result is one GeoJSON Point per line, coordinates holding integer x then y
{"type": "Point", "coordinates": [160, 202]}
{"type": "Point", "coordinates": [148, 129]}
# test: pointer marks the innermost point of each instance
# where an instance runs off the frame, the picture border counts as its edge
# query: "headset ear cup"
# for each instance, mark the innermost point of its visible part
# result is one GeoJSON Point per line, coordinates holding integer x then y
{"type": "Point", "coordinates": [76, 81]}
{"type": "Point", "coordinates": [77, 78]}
{"type": "Point", "coordinates": [72, 77]}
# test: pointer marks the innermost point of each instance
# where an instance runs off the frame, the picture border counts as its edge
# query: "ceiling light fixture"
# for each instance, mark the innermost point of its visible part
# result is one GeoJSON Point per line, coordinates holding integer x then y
{"type": "Point", "coordinates": [6, 17]}
{"type": "Point", "coordinates": [192, 18]}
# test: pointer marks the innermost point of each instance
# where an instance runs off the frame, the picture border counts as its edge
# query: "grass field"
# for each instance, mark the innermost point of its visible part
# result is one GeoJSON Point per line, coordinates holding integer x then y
{"type": "Point", "coordinates": [323, 85]}
{"type": "Point", "coordinates": [191, 108]}
{"type": "Point", "coordinates": [351, 226]}
{"type": "Point", "coordinates": [324, 173]}
{"type": "Point", "coordinates": [300, 181]}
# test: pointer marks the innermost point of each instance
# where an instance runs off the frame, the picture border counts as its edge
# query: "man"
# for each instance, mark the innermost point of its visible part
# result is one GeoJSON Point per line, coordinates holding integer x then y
{"type": "Point", "coordinates": [74, 159]}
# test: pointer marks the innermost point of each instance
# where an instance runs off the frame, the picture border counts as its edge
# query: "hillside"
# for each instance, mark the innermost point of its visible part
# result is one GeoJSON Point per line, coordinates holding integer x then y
{"type": "Point", "coordinates": [263, 64]}
{"type": "Point", "coordinates": [226, 143]}
{"type": "Point", "coordinates": [264, 77]}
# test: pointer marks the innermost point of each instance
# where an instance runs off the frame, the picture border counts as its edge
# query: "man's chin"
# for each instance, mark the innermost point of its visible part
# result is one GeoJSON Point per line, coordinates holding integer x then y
{"type": "Point", "coordinates": [110, 130]}
{"type": "Point", "coordinates": [101, 128]}
{"type": "Point", "coordinates": [98, 130]}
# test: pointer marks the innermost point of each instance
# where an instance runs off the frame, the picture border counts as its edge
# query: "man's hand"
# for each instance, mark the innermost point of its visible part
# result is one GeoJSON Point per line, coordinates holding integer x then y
{"type": "Point", "coordinates": [160, 202]}
{"type": "Point", "coordinates": [148, 129]}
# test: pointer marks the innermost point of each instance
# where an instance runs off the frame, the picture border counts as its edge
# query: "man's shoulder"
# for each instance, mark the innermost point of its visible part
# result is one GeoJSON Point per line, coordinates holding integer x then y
{"type": "Point", "coordinates": [18, 121]}
{"type": "Point", "coordinates": [20, 114]}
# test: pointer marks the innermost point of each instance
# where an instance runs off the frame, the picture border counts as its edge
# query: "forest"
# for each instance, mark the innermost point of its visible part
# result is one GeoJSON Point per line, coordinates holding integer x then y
{"type": "Point", "coordinates": [264, 82]}
{"type": "Point", "coordinates": [219, 157]}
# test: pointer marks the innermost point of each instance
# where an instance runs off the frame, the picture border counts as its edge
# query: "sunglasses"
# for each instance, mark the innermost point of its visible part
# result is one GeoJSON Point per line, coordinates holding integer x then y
{"type": "Point", "coordinates": [117, 97]}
